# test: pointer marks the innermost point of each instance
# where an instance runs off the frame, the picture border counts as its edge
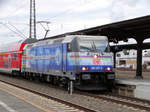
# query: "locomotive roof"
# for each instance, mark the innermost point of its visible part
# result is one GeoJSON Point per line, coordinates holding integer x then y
{"type": "Point", "coordinates": [15, 46]}
{"type": "Point", "coordinates": [66, 39]}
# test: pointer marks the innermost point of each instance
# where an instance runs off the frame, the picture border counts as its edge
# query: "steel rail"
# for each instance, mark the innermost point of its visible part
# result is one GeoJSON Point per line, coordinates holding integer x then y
{"type": "Point", "coordinates": [52, 98]}
{"type": "Point", "coordinates": [117, 101]}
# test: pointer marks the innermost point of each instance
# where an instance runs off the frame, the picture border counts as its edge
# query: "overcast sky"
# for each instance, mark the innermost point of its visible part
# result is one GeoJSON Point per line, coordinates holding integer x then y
{"type": "Point", "coordinates": [66, 15]}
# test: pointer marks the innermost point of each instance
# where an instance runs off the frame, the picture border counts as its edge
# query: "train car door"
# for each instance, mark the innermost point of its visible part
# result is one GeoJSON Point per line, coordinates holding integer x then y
{"type": "Point", "coordinates": [64, 58]}
{"type": "Point", "coordinates": [9, 62]}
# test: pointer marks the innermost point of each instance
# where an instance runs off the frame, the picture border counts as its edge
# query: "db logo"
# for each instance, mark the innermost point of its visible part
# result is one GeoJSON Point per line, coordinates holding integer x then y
{"type": "Point", "coordinates": [96, 62]}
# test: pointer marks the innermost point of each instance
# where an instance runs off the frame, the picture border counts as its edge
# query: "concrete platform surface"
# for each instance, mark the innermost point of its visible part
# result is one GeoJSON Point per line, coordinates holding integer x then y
{"type": "Point", "coordinates": [142, 87]}
{"type": "Point", "coordinates": [135, 82]}
{"type": "Point", "coordinates": [9, 103]}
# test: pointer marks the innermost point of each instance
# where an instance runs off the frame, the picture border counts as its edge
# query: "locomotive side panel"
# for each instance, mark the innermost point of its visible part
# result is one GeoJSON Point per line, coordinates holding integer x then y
{"type": "Point", "coordinates": [44, 59]}
{"type": "Point", "coordinates": [48, 59]}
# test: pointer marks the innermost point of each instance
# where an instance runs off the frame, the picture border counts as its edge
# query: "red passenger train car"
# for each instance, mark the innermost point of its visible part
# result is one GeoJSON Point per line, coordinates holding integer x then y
{"type": "Point", "coordinates": [11, 56]}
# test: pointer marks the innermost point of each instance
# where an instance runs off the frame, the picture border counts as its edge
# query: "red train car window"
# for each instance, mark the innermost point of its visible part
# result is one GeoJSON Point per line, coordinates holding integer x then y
{"type": "Point", "coordinates": [15, 56]}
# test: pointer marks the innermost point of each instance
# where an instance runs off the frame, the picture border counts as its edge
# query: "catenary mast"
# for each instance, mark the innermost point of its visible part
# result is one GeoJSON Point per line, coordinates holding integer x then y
{"type": "Point", "coordinates": [32, 32]}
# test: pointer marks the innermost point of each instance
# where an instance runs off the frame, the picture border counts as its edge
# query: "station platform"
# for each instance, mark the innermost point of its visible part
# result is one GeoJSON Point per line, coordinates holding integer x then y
{"type": "Point", "coordinates": [10, 103]}
{"type": "Point", "coordinates": [130, 86]}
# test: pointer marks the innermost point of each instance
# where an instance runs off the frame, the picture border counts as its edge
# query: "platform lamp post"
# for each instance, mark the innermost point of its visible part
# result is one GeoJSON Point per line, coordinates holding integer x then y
{"type": "Point", "coordinates": [45, 27]}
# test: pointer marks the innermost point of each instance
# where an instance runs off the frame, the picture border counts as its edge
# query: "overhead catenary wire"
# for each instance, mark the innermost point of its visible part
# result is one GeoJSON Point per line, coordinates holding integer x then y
{"type": "Point", "coordinates": [12, 30]}
{"type": "Point", "coordinates": [6, 24]}
{"type": "Point", "coordinates": [67, 11]}
{"type": "Point", "coordinates": [17, 30]}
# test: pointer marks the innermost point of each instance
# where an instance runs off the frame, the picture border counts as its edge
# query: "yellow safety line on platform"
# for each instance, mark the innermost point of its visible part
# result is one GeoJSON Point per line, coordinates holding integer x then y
{"type": "Point", "coordinates": [28, 101]}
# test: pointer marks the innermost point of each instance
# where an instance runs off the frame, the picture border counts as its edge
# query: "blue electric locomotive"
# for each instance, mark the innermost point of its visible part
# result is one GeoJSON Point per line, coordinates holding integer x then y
{"type": "Point", "coordinates": [83, 61]}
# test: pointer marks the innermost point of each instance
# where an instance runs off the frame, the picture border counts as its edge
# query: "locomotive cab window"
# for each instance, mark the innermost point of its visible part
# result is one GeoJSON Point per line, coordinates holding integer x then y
{"type": "Point", "coordinates": [107, 48]}
{"type": "Point", "coordinates": [93, 44]}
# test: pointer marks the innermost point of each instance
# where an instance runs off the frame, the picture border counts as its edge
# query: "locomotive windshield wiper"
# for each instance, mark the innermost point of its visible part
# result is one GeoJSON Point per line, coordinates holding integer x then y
{"type": "Point", "coordinates": [94, 46]}
{"type": "Point", "coordinates": [86, 48]}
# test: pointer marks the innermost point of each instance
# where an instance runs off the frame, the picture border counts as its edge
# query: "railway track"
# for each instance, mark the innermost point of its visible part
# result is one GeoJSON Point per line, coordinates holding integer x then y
{"type": "Point", "coordinates": [78, 107]}
{"type": "Point", "coordinates": [123, 100]}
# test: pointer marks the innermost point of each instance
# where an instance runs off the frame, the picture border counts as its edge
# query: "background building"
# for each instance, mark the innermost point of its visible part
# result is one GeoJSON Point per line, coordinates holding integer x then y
{"type": "Point", "coordinates": [127, 59]}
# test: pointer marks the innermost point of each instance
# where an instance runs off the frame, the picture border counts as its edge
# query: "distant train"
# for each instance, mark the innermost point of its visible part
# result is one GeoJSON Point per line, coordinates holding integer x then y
{"type": "Point", "coordinates": [79, 61]}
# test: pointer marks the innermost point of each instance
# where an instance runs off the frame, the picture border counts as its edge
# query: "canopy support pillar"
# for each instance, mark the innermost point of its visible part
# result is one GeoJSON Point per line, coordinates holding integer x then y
{"type": "Point", "coordinates": [114, 59]}
{"type": "Point", "coordinates": [139, 60]}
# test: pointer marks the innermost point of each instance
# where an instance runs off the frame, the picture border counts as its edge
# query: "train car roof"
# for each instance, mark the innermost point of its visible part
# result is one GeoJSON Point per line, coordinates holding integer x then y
{"type": "Point", "coordinates": [15, 46]}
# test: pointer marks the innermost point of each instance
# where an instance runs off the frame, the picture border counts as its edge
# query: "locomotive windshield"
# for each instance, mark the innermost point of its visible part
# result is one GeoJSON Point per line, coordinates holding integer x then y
{"type": "Point", "coordinates": [93, 44]}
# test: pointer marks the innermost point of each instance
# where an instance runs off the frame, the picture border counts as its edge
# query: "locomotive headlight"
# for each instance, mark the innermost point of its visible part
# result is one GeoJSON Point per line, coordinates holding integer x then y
{"type": "Point", "coordinates": [108, 68]}
{"type": "Point", "coordinates": [85, 68]}
{"type": "Point", "coordinates": [95, 55]}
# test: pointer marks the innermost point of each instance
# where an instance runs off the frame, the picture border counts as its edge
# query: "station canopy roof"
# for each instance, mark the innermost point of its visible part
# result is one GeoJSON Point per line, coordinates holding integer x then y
{"type": "Point", "coordinates": [118, 48]}
{"type": "Point", "coordinates": [138, 28]}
